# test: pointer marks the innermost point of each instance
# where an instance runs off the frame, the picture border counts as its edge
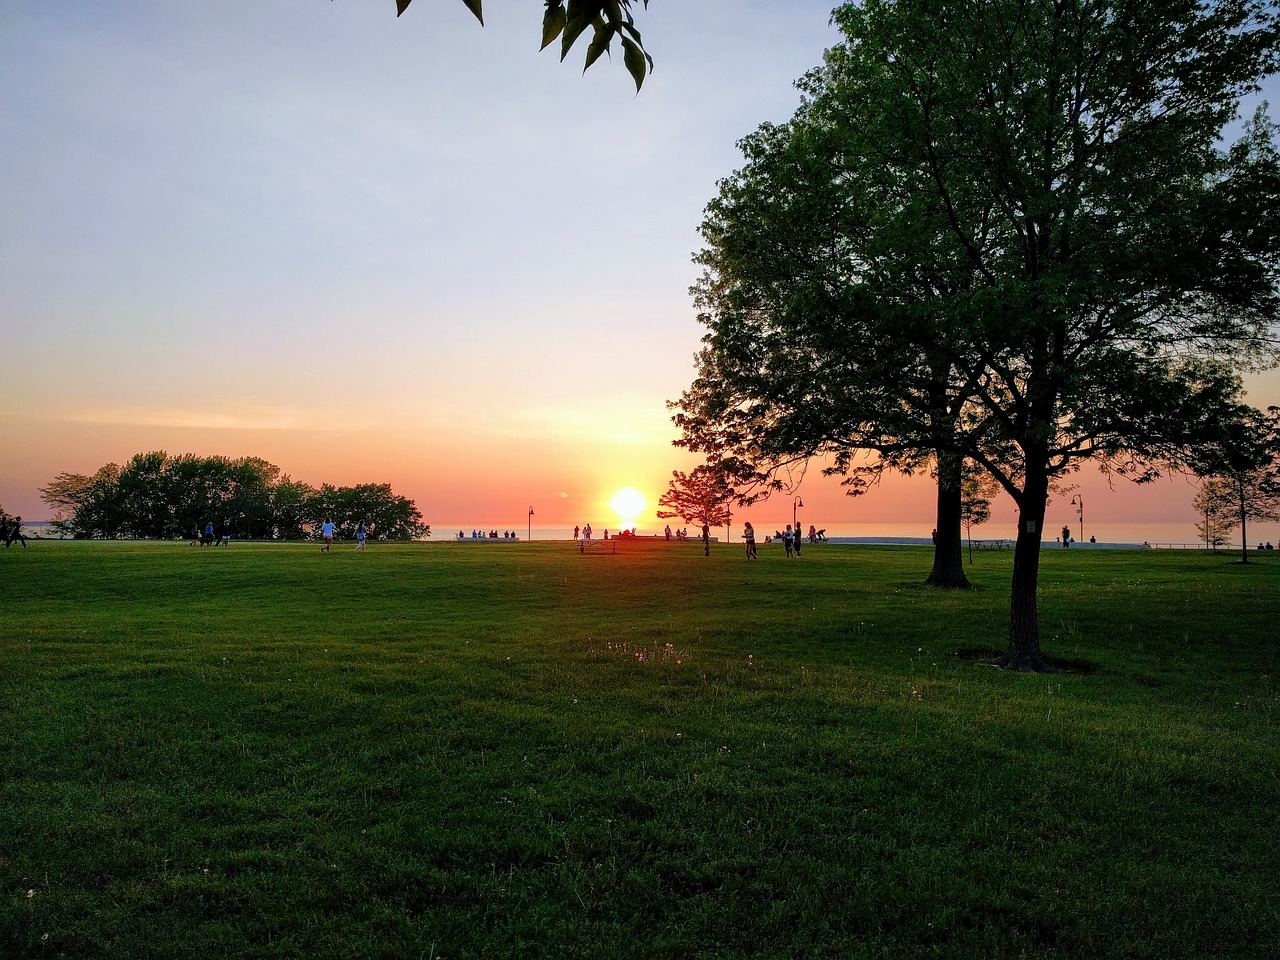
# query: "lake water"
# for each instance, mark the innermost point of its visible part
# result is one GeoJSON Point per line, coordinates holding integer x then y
{"type": "Point", "coordinates": [1157, 534]}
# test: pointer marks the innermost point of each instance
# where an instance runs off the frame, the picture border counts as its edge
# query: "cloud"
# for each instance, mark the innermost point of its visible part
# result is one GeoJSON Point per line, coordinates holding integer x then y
{"type": "Point", "coordinates": [290, 419]}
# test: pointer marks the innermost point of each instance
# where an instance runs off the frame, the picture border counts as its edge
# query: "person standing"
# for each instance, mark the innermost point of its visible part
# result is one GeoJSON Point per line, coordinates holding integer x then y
{"type": "Point", "coordinates": [326, 531]}
{"type": "Point", "coordinates": [706, 540]}
{"type": "Point", "coordinates": [1066, 536]}
{"type": "Point", "coordinates": [749, 532]}
{"type": "Point", "coordinates": [668, 531]}
{"type": "Point", "coordinates": [361, 533]}
{"type": "Point", "coordinates": [789, 540]}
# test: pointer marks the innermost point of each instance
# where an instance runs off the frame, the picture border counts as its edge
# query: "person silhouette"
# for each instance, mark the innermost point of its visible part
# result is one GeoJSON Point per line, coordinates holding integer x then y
{"type": "Point", "coordinates": [14, 533]}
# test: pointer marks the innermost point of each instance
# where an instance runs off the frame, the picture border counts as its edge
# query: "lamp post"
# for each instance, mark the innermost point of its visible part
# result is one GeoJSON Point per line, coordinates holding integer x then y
{"type": "Point", "coordinates": [795, 524]}
{"type": "Point", "coordinates": [1078, 502]}
{"type": "Point", "coordinates": [529, 536]}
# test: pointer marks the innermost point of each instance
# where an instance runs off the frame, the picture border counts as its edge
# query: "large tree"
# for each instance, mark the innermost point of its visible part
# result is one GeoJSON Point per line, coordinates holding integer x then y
{"type": "Point", "coordinates": [702, 496]}
{"type": "Point", "coordinates": [386, 515]}
{"type": "Point", "coordinates": [1239, 466]}
{"type": "Point", "coordinates": [1071, 251]}
{"type": "Point", "coordinates": [568, 20]}
{"type": "Point", "coordinates": [826, 323]}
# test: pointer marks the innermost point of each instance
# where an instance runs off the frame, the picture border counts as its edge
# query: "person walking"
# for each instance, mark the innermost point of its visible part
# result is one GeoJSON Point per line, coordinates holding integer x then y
{"type": "Point", "coordinates": [706, 540]}
{"type": "Point", "coordinates": [326, 531]}
{"type": "Point", "coordinates": [14, 533]}
{"type": "Point", "coordinates": [749, 532]}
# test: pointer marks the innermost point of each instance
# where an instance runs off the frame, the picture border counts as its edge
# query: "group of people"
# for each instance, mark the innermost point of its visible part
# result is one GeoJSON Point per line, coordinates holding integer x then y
{"type": "Point", "coordinates": [207, 537]}
{"type": "Point", "coordinates": [1067, 539]}
{"type": "Point", "coordinates": [792, 540]}
{"type": "Point", "coordinates": [489, 535]}
{"type": "Point", "coordinates": [681, 534]}
{"type": "Point", "coordinates": [329, 528]}
{"type": "Point", "coordinates": [11, 530]}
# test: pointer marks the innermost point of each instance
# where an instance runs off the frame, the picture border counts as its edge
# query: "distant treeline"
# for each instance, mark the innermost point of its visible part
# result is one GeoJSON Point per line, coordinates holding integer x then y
{"type": "Point", "coordinates": [161, 497]}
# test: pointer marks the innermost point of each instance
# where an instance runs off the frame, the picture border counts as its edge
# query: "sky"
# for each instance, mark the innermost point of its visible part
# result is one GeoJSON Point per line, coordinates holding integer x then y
{"type": "Point", "coordinates": [373, 249]}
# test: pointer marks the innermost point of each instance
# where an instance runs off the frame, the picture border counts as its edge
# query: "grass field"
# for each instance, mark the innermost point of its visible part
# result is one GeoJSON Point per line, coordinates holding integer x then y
{"type": "Point", "coordinates": [496, 750]}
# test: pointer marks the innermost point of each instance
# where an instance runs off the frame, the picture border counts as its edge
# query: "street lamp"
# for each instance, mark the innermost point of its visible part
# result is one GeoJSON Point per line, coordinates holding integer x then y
{"type": "Point", "coordinates": [795, 524]}
{"type": "Point", "coordinates": [529, 537]}
{"type": "Point", "coordinates": [1078, 502]}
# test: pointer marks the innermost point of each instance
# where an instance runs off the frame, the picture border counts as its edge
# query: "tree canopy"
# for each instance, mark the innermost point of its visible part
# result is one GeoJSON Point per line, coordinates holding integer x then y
{"type": "Point", "coordinates": [158, 496]}
{"type": "Point", "coordinates": [700, 497]}
{"type": "Point", "coordinates": [568, 20]}
{"type": "Point", "coordinates": [1005, 231]}
{"type": "Point", "coordinates": [1239, 467]}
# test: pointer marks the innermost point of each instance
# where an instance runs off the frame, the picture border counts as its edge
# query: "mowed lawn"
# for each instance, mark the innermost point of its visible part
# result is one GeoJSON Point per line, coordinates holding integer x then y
{"type": "Point", "coordinates": [508, 750]}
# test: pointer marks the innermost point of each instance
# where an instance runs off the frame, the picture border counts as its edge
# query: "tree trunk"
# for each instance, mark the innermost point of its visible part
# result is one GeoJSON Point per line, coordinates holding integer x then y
{"type": "Point", "coordinates": [1024, 622]}
{"type": "Point", "coordinates": [1244, 527]}
{"type": "Point", "coordinates": [948, 546]}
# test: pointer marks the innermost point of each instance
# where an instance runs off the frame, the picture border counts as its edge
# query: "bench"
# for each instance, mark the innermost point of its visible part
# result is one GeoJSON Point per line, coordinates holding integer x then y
{"type": "Point", "coordinates": [597, 546]}
{"type": "Point", "coordinates": [990, 544]}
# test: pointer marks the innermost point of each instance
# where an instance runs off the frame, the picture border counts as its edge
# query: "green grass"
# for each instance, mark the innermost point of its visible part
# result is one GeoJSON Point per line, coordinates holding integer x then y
{"type": "Point", "coordinates": [487, 750]}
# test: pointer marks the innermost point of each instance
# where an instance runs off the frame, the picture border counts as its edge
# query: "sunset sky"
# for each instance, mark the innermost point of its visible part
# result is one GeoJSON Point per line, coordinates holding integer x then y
{"type": "Point", "coordinates": [371, 249]}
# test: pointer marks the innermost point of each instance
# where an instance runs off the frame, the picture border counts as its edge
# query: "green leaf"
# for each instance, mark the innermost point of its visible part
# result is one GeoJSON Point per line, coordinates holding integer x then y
{"type": "Point", "coordinates": [578, 17]}
{"type": "Point", "coordinates": [552, 23]}
{"type": "Point", "coordinates": [599, 43]}
{"type": "Point", "coordinates": [473, 6]}
{"type": "Point", "coordinates": [634, 58]}
{"type": "Point", "coordinates": [402, 6]}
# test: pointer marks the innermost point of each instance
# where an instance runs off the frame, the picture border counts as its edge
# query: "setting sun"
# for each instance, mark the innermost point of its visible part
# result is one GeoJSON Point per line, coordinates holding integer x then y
{"type": "Point", "coordinates": [628, 503]}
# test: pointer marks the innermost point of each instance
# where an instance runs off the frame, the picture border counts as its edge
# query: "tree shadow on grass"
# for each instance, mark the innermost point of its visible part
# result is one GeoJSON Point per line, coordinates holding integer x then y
{"type": "Point", "coordinates": [994, 658]}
